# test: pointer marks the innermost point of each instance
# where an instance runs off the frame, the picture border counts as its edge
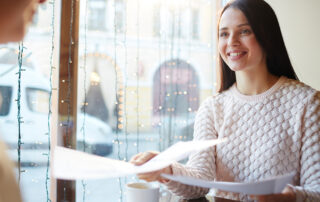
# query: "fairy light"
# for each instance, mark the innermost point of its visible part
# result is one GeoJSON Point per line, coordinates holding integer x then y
{"type": "Point", "coordinates": [19, 117]}
{"type": "Point", "coordinates": [50, 99]}
{"type": "Point", "coordinates": [85, 104]}
{"type": "Point", "coordinates": [125, 86]}
{"type": "Point", "coordinates": [160, 79]}
{"type": "Point", "coordinates": [119, 93]}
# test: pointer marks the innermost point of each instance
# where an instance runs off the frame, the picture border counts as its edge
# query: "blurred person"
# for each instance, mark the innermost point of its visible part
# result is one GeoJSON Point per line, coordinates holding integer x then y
{"type": "Point", "coordinates": [271, 119]}
{"type": "Point", "coordinates": [15, 16]}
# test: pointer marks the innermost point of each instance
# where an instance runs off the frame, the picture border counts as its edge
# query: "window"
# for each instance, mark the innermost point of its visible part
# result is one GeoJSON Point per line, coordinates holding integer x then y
{"type": "Point", "coordinates": [97, 15]}
{"type": "Point", "coordinates": [156, 20]}
{"type": "Point", "coordinates": [146, 89]}
{"type": "Point", "coordinates": [33, 102]}
{"type": "Point", "coordinates": [136, 92]}
{"type": "Point", "coordinates": [5, 99]}
{"type": "Point", "coordinates": [120, 16]}
{"type": "Point", "coordinates": [181, 23]}
{"type": "Point", "coordinates": [195, 24]}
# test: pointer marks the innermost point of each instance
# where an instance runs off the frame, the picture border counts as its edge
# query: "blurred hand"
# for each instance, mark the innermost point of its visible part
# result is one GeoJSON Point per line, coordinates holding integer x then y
{"type": "Point", "coordinates": [144, 157]}
{"type": "Point", "coordinates": [286, 196]}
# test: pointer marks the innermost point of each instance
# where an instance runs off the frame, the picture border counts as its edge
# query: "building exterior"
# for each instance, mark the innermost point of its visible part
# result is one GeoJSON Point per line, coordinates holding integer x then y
{"type": "Point", "coordinates": [150, 60]}
{"type": "Point", "coordinates": [143, 64]}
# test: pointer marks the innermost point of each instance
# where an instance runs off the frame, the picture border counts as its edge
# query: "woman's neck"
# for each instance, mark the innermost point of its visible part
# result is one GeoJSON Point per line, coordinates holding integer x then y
{"type": "Point", "coordinates": [254, 83]}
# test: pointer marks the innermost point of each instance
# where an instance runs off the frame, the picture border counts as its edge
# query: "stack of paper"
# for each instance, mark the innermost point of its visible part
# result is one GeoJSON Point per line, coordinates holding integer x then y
{"type": "Point", "coordinates": [272, 185]}
{"type": "Point", "coordinates": [75, 165]}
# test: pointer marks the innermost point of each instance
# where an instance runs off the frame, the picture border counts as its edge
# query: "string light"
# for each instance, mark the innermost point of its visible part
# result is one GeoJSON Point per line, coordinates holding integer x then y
{"type": "Point", "coordinates": [119, 94]}
{"type": "Point", "coordinates": [50, 99]}
{"type": "Point", "coordinates": [160, 79]}
{"type": "Point", "coordinates": [19, 118]}
{"type": "Point", "coordinates": [85, 104]}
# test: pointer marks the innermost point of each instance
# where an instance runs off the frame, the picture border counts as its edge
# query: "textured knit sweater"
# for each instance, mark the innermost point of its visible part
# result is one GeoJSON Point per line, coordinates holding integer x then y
{"type": "Point", "coordinates": [269, 134]}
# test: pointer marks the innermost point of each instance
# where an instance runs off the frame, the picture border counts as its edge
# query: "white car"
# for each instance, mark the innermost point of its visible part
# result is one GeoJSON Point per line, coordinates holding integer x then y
{"type": "Point", "coordinates": [34, 109]}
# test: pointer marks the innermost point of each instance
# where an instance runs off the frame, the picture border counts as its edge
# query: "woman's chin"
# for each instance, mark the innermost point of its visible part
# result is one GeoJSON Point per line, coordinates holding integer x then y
{"type": "Point", "coordinates": [237, 68]}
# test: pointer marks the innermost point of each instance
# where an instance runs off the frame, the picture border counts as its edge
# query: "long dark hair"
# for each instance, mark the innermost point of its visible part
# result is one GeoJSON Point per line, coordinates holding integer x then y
{"type": "Point", "coordinates": [265, 26]}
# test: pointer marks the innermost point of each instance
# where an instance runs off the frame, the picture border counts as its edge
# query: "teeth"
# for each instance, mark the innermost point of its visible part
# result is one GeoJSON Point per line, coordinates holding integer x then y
{"type": "Point", "coordinates": [234, 54]}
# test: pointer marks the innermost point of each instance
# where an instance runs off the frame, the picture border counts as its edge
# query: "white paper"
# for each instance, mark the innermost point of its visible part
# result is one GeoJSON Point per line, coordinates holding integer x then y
{"type": "Point", "coordinates": [72, 165]}
{"type": "Point", "coordinates": [268, 186]}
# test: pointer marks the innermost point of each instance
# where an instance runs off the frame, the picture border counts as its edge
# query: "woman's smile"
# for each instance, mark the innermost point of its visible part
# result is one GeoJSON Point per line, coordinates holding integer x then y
{"type": "Point", "coordinates": [236, 55]}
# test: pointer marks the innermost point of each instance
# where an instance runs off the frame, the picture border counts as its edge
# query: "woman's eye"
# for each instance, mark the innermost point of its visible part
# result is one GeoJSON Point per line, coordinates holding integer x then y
{"type": "Point", "coordinates": [245, 31]}
{"type": "Point", "coordinates": [223, 34]}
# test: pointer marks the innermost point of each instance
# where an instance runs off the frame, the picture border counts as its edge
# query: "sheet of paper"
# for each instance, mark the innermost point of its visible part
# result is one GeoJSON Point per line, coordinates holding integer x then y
{"type": "Point", "coordinates": [268, 186]}
{"type": "Point", "coordinates": [72, 165]}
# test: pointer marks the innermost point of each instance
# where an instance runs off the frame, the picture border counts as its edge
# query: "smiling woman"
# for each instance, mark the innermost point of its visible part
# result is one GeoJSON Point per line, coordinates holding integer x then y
{"type": "Point", "coordinates": [269, 117]}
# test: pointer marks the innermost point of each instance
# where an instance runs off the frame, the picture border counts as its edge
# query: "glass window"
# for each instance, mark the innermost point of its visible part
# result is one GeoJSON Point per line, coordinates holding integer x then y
{"type": "Point", "coordinates": [120, 17]}
{"type": "Point", "coordinates": [145, 89]}
{"type": "Point", "coordinates": [97, 15]}
{"type": "Point", "coordinates": [195, 24]}
{"type": "Point", "coordinates": [181, 23]}
{"type": "Point", "coordinates": [156, 20]}
{"type": "Point", "coordinates": [135, 92]}
{"type": "Point", "coordinates": [32, 105]}
{"type": "Point", "coordinates": [5, 99]}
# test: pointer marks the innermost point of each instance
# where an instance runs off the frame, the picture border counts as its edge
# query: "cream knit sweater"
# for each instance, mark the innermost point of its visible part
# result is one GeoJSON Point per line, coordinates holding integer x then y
{"type": "Point", "coordinates": [269, 134]}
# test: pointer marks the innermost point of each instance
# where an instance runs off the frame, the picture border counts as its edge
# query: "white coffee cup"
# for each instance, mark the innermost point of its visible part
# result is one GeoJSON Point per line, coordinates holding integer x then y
{"type": "Point", "coordinates": [142, 192]}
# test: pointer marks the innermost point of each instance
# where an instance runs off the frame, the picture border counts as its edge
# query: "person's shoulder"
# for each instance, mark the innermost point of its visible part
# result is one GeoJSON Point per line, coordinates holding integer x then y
{"type": "Point", "coordinates": [298, 87]}
{"type": "Point", "coordinates": [216, 97]}
{"type": "Point", "coordinates": [215, 100]}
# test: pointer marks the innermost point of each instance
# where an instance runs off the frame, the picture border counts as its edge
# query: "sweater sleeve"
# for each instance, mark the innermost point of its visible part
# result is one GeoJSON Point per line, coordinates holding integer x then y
{"type": "Point", "coordinates": [309, 189]}
{"type": "Point", "coordinates": [201, 164]}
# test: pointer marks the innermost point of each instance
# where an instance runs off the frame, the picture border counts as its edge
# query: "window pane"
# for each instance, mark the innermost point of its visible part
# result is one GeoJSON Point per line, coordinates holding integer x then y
{"type": "Point", "coordinates": [143, 85]}
{"type": "Point", "coordinates": [33, 103]}
{"type": "Point", "coordinates": [5, 99]}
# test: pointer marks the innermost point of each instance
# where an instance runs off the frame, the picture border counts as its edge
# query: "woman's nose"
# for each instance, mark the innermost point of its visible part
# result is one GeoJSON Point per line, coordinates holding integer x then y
{"type": "Point", "coordinates": [233, 40]}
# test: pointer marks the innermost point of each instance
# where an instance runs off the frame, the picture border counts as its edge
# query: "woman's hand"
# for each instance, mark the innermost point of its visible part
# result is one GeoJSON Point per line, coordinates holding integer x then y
{"type": "Point", "coordinates": [286, 196]}
{"type": "Point", "coordinates": [142, 158]}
